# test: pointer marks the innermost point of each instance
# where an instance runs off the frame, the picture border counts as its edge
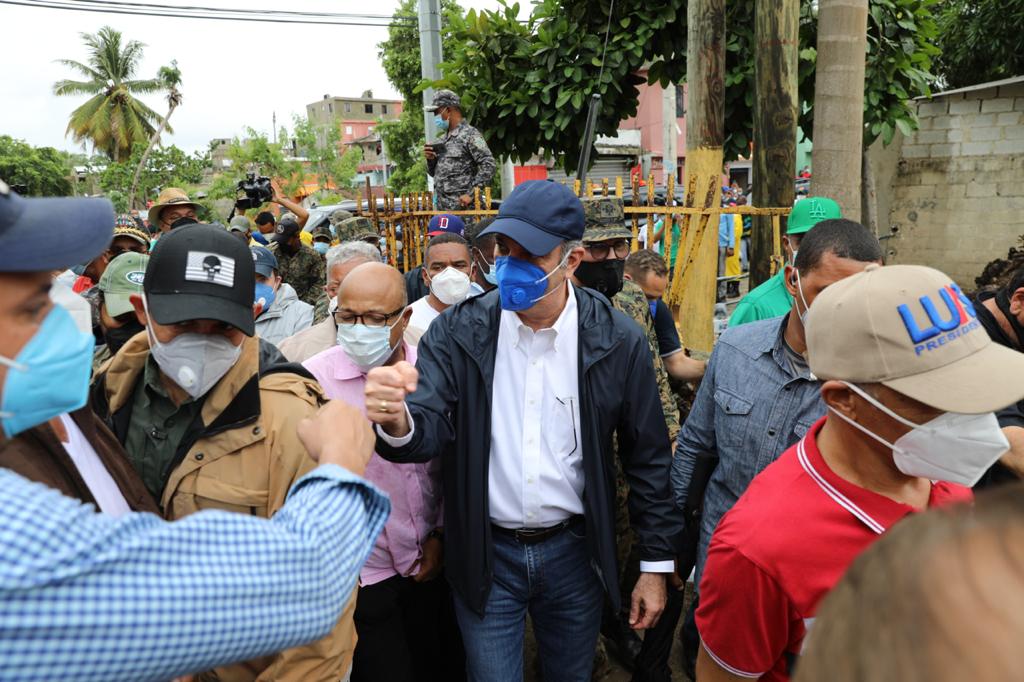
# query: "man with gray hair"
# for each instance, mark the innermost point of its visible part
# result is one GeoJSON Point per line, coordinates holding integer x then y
{"type": "Point", "coordinates": [341, 260]}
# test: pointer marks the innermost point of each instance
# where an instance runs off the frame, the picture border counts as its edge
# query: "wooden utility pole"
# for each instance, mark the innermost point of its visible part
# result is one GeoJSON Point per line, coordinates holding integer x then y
{"type": "Point", "coordinates": [705, 134]}
{"type": "Point", "coordinates": [776, 35]}
{"type": "Point", "coordinates": [839, 103]}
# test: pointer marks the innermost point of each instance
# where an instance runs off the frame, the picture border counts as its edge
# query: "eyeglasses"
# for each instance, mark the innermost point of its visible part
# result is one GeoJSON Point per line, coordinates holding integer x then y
{"type": "Point", "coordinates": [368, 319]}
{"type": "Point", "coordinates": [600, 250]}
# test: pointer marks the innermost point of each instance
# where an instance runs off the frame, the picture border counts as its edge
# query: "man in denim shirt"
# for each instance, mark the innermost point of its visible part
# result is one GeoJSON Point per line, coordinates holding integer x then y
{"type": "Point", "coordinates": [758, 397]}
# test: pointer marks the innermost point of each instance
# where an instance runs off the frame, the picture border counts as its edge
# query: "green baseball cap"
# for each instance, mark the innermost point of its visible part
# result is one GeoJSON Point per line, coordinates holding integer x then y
{"type": "Point", "coordinates": [604, 218]}
{"type": "Point", "coordinates": [809, 212]}
{"type": "Point", "coordinates": [122, 278]}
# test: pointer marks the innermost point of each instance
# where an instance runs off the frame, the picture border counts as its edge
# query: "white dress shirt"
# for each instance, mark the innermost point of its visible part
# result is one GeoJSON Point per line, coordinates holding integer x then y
{"type": "Point", "coordinates": [94, 473]}
{"type": "Point", "coordinates": [535, 477]}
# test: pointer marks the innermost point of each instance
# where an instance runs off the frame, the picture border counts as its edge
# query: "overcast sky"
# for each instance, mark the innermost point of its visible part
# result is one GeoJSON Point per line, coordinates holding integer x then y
{"type": "Point", "coordinates": [234, 74]}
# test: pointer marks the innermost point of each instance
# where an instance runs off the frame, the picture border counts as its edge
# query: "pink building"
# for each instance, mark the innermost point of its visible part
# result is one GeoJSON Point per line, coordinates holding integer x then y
{"type": "Point", "coordinates": [648, 121]}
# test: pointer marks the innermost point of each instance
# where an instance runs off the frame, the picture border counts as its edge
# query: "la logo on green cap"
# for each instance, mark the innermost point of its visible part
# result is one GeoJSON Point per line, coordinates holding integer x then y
{"type": "Point", "coordinates": [817, 210]}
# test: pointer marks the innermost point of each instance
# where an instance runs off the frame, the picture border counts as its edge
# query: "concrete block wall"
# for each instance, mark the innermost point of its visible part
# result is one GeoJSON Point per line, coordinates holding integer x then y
{"type": "Point", "coordinates": [957, 198]}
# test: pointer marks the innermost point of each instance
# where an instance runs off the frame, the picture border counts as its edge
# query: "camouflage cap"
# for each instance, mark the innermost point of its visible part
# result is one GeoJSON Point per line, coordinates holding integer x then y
{"type": "Point", "coordinates": [323, 230]}
{"type": "Point", "coordinates": [604, 219]}
{"type": "Point", "coordinates": [339, 216]}
{"type": "Point", "coordinates": [355, 229]}
{"type": "Point", "coordinates": [445, 98]}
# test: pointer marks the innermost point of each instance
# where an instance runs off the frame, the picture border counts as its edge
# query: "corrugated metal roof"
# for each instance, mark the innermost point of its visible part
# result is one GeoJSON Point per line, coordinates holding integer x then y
{"type": "Point", "coordinates": [979, 86]}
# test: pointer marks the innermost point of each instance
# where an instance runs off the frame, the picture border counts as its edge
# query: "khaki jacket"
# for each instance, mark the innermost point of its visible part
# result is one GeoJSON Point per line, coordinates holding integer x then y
{"type": "Point", "coordinates": [242, 455]}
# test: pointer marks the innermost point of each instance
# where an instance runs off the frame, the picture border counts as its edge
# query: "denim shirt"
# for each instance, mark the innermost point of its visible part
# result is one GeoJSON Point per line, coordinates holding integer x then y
{"type": "Point", "coordinates": [749, 409]}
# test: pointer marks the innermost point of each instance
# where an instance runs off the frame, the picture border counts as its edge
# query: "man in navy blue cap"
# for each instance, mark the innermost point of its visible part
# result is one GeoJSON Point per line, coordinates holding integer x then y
{"type": "Point", "coordinates": [522, 391]}
{"type": "Point", "coordinates": [73, 580]}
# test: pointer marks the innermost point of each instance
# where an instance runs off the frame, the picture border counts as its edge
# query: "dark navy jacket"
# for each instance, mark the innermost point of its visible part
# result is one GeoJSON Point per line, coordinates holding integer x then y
{"type": "Point", "coordinates": [451, 409]}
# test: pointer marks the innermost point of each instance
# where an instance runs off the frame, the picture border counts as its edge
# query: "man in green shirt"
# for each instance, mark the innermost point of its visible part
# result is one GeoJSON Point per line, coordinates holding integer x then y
{"type": "Point", "coordinates": [771, 299]}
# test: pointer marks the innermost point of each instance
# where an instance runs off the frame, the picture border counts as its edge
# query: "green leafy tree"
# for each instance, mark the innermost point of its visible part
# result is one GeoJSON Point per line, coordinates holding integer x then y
{"type": "Point", "coordinates": [112, 119]}
{"type": "Point", "coordinates": [321, 147]}
{"type": "Point", "coordinates": [534, 98]}
{"type": "Point", "coordinates": [980, 41]}
{"type": "Point", "coordinates": [403, 138]}
{"type": "Point", "coordinates": [163, 167]}
{"type": "Point", "coordinates": [255, 154]}
{"type": "Point", "coordinates": [43, 171]}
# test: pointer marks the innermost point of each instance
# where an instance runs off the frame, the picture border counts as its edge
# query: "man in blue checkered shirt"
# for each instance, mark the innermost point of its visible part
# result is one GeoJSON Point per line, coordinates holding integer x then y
{"type": "Point", "coordinates": [85, 596]}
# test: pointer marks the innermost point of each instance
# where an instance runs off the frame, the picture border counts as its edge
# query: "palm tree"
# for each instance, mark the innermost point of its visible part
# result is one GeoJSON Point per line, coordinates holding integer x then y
{"type": "Point", "coordinates": [112, 119]}
{"type": "Point", "coordinates": [170, 79]}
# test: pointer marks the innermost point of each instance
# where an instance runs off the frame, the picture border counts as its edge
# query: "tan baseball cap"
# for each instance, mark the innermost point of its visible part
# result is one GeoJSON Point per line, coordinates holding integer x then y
{"type": "Point", "coordinates": [912, 329]}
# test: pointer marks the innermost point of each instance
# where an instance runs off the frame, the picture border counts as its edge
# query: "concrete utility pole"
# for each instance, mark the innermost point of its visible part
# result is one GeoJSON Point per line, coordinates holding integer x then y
{"type": "Point", "coordinates": [839, 103]}
{"type": "Point", "coordinates": [273, 125]}
{"type": "Point", "coordinates": [430, 56]}
{"type": "Point", "coordinates": [669, 133]}
{"type": "Point", "coordinates": [705, 134]}
{"type": "Point", "coordinates": [776, 24]}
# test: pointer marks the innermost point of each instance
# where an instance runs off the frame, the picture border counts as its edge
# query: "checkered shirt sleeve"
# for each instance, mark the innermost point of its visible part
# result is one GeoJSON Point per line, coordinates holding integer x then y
{"type": "Point", "coordinates": [84, 596]}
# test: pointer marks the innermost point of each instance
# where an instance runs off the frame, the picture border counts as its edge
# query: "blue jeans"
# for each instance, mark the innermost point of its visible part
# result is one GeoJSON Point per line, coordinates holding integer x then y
{"type": "Point", "coordinates": [554, 581]}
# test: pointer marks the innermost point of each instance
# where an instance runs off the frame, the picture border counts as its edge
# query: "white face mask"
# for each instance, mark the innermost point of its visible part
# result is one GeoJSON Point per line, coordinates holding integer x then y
{"type": "Point", "coordinates": [953, 447]}
{"type": "Point", "coordinates": [451, 286]}
{"type": "Point", "coordinates": [196, 362]}
{"type": "Point", "coordinates": [800, 290]}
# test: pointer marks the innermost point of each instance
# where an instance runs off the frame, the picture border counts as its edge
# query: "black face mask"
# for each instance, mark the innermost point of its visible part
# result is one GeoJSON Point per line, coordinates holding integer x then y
{"type": "Point", "coordinates": [118, 336]}
{"type": "Point", "coordinates": [1003, 303]}
{"type": "Point", "coordinates": [604, 276]}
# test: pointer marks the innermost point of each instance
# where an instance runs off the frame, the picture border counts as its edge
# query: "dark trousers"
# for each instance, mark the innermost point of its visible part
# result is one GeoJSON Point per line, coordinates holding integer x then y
{"type": "Point", "coordinates": [652, 665]}
{"type": "Point", "coordinates": [405, 633]}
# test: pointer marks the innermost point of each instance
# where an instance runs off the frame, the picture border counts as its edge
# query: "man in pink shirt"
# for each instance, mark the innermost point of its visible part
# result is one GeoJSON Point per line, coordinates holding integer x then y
{"type": "Point", "coordinates": [398, 595]}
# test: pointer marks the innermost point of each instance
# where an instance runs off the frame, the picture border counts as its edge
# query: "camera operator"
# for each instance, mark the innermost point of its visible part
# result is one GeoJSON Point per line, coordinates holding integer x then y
{"type": "Point", "coordinates": [461, 160]}
{"type": "Point", "coordinates": [258, 191]}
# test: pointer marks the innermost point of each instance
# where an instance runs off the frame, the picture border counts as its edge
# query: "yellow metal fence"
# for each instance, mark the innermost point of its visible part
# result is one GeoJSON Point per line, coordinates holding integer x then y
{"type": "Point", "coordinates": [404, 219]}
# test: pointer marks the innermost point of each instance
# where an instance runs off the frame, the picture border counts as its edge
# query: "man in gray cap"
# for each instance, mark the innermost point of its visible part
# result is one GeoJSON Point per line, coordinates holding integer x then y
{"type": "Point", "coordinates": [460, 161]}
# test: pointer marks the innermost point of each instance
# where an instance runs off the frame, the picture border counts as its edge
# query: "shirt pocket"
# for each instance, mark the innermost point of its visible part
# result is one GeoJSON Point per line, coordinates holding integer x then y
{"type": "Point", "coordinates": [732, 418]}
{"type": "Point", "coordinates": [211, 493]}
{"type": "Point", "coordinates": [559, 426]}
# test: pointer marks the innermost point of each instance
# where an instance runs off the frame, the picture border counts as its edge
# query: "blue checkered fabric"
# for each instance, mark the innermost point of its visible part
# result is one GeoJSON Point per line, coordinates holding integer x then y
{"type": "Point", "coordinates": [84, 596]}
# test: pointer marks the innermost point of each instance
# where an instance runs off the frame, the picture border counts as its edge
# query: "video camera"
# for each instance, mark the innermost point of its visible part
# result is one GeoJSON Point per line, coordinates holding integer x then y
{"type": "Point", "coordinates": [257, 192]}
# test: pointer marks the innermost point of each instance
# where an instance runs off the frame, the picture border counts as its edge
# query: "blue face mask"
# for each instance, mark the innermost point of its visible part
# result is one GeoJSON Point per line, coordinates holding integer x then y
{"type": "Point", "coordinates": [264, 293]}
{"type": "Point", "coordinates": [440, 123]}
{"type": "Point", "coordinates": [491, 277]}
{"type": "Point", "coordinates": [521, 283]}
{"type": "Point", "coordinates": [49, 377]}
{"type": "Point", "coordinates": [321, 247]}
{"type": "Point", "coordinates": [654, 307]}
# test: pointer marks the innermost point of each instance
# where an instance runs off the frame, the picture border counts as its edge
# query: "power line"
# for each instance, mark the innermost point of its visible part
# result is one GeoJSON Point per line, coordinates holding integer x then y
{"type": "Point", "coordinates": [203, 13]}
{"type": "Point", "coordinates": [268, 12]}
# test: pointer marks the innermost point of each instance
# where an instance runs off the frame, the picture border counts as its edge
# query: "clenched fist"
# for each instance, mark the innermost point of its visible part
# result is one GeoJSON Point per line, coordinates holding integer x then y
{"type": "Point", "coordinates": [338, 434]}
{"type": "Point", "coordinates": [385, 391]}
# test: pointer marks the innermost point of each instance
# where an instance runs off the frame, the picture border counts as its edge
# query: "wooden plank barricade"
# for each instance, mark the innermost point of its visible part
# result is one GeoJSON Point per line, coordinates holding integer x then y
{"type": "Point", "coordinates": [403, 221]}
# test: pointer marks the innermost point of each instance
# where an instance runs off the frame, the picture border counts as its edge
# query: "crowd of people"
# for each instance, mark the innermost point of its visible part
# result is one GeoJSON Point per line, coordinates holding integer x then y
{"type": "Point", "coordinates": [256, 451]}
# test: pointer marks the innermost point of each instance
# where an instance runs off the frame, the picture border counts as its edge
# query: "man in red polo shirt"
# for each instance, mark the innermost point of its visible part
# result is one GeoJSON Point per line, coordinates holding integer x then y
{"type": "Point", "coordinates": [910, 380]}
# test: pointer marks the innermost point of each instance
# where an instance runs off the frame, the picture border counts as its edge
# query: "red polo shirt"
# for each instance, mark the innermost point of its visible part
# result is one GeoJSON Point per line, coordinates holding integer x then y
{"type": "Point", "coordinates": [778, 551]}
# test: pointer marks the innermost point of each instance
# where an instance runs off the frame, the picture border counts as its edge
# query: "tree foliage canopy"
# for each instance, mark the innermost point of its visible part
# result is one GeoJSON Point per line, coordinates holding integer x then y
{"type": "Point", "coordinates": [166, 166]}
{"type": "Point", "coordinates": [112, 119]}
{"type": "Point", "coordinates": [43, 171]}
{"type": "Point", "coordinates": [981, 41]}
{"type": "Point", "coordinates": [534, 97]}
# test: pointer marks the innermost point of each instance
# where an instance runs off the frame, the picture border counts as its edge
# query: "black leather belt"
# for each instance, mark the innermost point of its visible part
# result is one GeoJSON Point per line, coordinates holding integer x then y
{"type": "Point", "coordinates": [529, 536]}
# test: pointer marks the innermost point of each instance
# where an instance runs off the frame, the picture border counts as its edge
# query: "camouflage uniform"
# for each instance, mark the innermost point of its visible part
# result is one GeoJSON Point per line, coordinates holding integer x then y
{"type": "Point", "coordinates": [324, 231]}
{"type": "Point", "coordinates": [305, 271]}
{"type": "Point", "coordinates": [465, 163]}
{"type": "Point", "coordinates": [337, 217]}
{"type": "Point", "coordinates": [605, 219]}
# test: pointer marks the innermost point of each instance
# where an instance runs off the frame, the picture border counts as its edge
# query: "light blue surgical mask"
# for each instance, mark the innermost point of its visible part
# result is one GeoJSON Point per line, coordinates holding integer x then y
{"type": "Point", "coordinates": [440, 123]}
{"type": "Point", "coordinates": [321, 247]}
{"type": "Point", "coordinates": [50, 376]}
{"type": "Point", "coordinates": [367, 347]}
{"type": "Point", "coordinates": [263, 294]}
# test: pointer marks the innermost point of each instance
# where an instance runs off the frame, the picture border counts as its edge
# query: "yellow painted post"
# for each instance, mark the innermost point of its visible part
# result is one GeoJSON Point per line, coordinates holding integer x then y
{"type": "Point", "coordinates": [604, 187]}
{"type": "Point", "coordinates": [359, 204]}
{"type": "Point", "coordinates": [590, 189]}
{"type": "Point", "coordinates": [650, 204]}
{"type": "Point", "coordinates": [669, 222]}
{"type": "Point", "coordinates": [405, 233]}
{"type": "Point", "coordinates": [776, 263]}
{"type": "Point", "coordinates": [700, 271]}
{"type": "Point", "coordinates": [487, 199]}
{"type": "Point", "coordinates": [618, 186]}
{"type": "Point", "coordinates": [476, 198]}
{"type": "Point", "coordinates": [576, 187]}
{"type": "Point", "coordinates": [635, 181]}
{"type": "Point", "coordinates": [421, 205]}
